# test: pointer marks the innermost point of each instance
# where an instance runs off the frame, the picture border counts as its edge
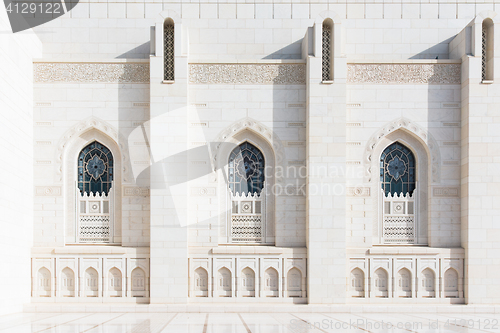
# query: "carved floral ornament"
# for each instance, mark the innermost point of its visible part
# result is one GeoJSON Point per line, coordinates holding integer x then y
{"type": "Point", "coordinates": [254, 126]}
{"type": "Point", "coordinates": [435, 158]}
{"type": "Point", "coordinates": [80, 128]}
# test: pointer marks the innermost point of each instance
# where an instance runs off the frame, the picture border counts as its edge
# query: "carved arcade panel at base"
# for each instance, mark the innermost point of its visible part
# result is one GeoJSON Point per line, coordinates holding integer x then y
{"type": "Point", "coordinates": [92, 277]}
{"type": "Point", "coordinates": [417, 276]}
{"type": "Point", "coordinates": [247, 276]}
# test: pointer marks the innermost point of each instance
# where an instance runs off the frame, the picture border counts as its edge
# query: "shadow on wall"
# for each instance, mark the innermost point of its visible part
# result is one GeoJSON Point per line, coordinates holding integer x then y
{"type": "Point", "coordinates": [290, 51]}
{"type": "Point", "coordinates": [140, 52]}
{"type": "Point", "coordinates": [438, 51]}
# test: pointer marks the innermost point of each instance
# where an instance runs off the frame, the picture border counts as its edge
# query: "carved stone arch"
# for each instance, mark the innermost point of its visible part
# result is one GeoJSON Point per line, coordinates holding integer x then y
{"type": "Point", "coordinates": [85, 126]}
{"type": "Point", "coordinates": [271, 281]}
{"type": "Point", "coordinates": [67, 282]}
{"type": "Point", "coordinates": [487, 14]}
{"type": "Point", "coordinates": [169, 13]}
{"type": "Point", "coordinates": [70, 145]}
{"type": "Point", "coordinates": [229, 134]}
{"type": "Point", "coordinates": [328, 14]}
{"type": "Point", "coordinates": [427, 166]}
{"type": "Point", "coordinates": [357, 282]}
{"type": "Point", "coordinates": [264, 139]}
{"type": "Point", "coordinates": [425, 138]}
{"type": "Point", "coordinates": [427, 282]}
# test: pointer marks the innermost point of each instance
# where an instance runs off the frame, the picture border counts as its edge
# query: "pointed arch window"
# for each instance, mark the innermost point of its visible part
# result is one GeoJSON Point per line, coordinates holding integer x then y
{"type": "Point", "coordinates": [398, 182]}
{"type": "Point", "coordinates": [168, 50]}
{"type": "Point", "coordinates": [246, 189]}
{"type": "Point", "coordinates": [397, 169]}
{"type": "Point", "coordinates": [95, 169]}
{"type": "Point", "coordinates": [94, 194]}
{"type": "Point", "coordinates": [246, 170]}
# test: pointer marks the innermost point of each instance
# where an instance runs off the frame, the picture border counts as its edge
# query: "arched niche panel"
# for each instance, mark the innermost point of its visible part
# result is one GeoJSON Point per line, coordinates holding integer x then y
{"type": "Point", "coordinates": [224, 283]}
{"type": "Point", "coordinates": [44, 283]}
{"type": "Point", "coordinates": [451, 283]}
{"type": "Point", "coordinates": [68, 283]}
{"type": "Point", "coordinates": [381, 283]}
{"type": "Point", "coordinates": [404, 283]}
{"type": "Point", "coordinates": [115, 283]}
{"type": "Point", "coordinates": [294, 283]}
{"type": "Point", "coordinates": [91, 283]}
{"type": "Point", "coordinates": [247, 282]}
{"type": "Point", "coordinates": [271, 282]}
{"type": "Point", "coordinates": [427, 283]}
{"type": "Point", "coordinates": [139, 282]}
{"type": "Point", "coordinates": [200, 282]}
{"type": "Point", "coordinates": [357, 283]}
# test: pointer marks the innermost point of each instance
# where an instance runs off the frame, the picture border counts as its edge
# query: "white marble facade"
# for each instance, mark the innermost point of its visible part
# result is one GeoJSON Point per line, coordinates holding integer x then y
{"type": "Point", "coordinates": [319, 93]}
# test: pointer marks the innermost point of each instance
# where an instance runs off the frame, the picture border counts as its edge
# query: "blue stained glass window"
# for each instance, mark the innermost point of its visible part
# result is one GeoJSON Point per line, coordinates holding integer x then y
{"type": "Point", "coordinates": [95, 169]}
{"type": "Point", "coordinates": [397, 170]}
{"type": "Point", "coordinates": [246, 169]}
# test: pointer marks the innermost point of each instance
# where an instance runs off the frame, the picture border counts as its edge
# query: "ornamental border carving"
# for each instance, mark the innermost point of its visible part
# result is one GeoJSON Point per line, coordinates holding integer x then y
{"type": "Point", "coordinates": [247, 73]}
{"type": "Point", "coordinates": [404, 73]}
{"type": "Point", "coordinates": [46, 72]}
{"type": "Point", "coordinates": [80, 128]}
{"type": "Point", "coordinates": [258, 128]}
{"type": "Point", "coordinates": [435, 158]}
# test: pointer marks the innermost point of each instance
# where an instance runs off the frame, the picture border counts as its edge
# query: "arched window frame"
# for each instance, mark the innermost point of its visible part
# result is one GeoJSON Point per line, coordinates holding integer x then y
{"type": "Point", "coordinates": [223, 153]}
{"type": "Point", "coordinates": [487, 50]}
{"type": "Point", "coordinates": [72, 147]}
{"type": "Point", "coordinates": [424, 148]}
{"type": "Point", "coordinates": [247, 197]}
{"type": "Point", "coordinates": [399, 204]}
{"type": "Point", "coordinates": [168, 50]}
{"type": "Point", "coordinates": [327, 50]}
{"type": "Point", "coordinates": [95, 194]}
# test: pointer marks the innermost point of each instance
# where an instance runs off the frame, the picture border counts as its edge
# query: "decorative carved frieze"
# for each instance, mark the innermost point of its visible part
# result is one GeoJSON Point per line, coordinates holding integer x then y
{"type": "Point", "coordinates": [45, 72]}
{"type": "Point", "coordinates": [247, 73]}
{"type": "Point", "coordinates": [403, 73]}
{"type": "Point", "coordinates": [48, 190]}
{"type": "Point", "coordinates": [132, 191]}
{"type": "Point", "coordinates": [446, 191]}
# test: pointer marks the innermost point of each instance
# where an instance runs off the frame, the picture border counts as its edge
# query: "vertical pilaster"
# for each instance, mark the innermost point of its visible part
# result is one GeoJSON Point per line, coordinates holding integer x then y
{"type": "Point", "coordinates": [168, 140]}
{"type": "Point", "coordinates": [326, 117]}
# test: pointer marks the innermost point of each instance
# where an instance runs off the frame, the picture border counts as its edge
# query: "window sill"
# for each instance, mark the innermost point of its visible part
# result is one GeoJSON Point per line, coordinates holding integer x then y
{"type": "Point", "coordinates": [486, 81]}
{"type": "Point", "coordinates": [327, 82]}
{"type": "Point", "coordinates": [168, 81]}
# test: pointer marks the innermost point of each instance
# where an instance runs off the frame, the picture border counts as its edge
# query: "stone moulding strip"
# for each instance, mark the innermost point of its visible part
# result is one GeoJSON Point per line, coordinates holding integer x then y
{"type": "Point", "coordinates": [399, 73]}
{"type": "Point", "coordinates": [247, 73]}
{"type": "Point", "coordinates": [96, 72]}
